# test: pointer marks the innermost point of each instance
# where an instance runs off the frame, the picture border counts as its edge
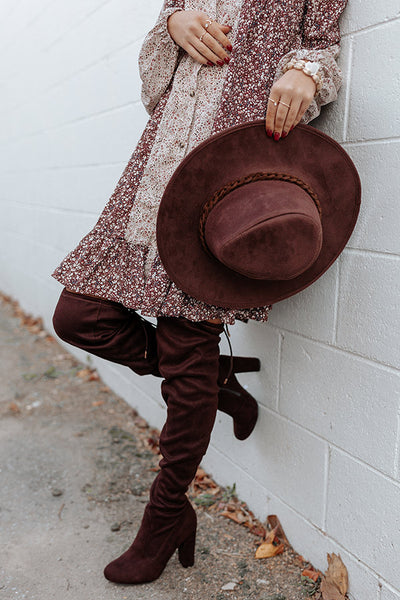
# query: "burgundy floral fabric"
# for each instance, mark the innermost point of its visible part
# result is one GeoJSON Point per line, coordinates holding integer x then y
{"type": "Point", "coordinates": [187, 102]}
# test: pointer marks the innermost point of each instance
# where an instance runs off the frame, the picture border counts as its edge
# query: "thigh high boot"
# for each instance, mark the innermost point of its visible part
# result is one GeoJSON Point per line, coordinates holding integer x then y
{"type": "Point", "coordinates": [112, 331]}
{"type": "Point", "coordinates": [188, 360]}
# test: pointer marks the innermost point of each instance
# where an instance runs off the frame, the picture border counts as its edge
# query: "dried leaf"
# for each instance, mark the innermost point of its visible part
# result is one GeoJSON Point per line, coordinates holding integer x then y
{"type": "Point", "coordinates": [83, 373]}
{"type": "Point", "coordinates": [336, 573]}
{"type": "Point", "coordinates": [94, 376]}
{"type": "Point", "coordinates": [311, 574]}
{"type": "Point", "coordinates": [274, 522]}
{"type": "Point", "coordinates": [258, 530]}
{"type": "Point", "coordinates": [330, 591]}
{"type": "Point", "coordinates": [268, 549]}
{"type": "Point", "coordinates": [97, 402]}
{"type": "Point", "coordinates": [141, 423]}
{"type": "Point", "coordinates": [14, 408]}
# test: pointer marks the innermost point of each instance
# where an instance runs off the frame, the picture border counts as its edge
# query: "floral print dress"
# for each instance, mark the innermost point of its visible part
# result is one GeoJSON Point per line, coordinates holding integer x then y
{"type": "Point", "coordinates": [187, 102]}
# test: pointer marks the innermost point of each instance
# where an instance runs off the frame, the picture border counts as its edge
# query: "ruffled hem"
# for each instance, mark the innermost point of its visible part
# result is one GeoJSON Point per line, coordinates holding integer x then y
{"type": "Point", "coordinates": [108, 266]}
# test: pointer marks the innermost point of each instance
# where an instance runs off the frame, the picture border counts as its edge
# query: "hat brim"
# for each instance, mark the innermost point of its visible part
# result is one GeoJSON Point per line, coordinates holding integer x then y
{"type": "Point", "coordinates": [306, 153]}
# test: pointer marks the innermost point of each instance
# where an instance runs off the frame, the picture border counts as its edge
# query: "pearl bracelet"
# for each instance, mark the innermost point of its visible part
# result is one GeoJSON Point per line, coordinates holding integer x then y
{"type": "Point", "coordinates": [309, 68]}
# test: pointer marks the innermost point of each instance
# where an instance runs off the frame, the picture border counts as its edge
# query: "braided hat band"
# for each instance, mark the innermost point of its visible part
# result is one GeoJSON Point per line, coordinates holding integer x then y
{"type": "Point", "coordinates": [237, 183]}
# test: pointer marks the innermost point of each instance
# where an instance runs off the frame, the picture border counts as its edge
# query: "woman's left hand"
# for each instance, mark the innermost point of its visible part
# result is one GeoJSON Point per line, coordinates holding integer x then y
{"type": "Point", "coordinates": [294, 88]}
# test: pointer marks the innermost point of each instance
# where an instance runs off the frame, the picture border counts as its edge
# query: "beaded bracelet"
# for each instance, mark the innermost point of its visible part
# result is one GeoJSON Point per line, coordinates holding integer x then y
{"type": "Point", "coordinates": [309, 68]}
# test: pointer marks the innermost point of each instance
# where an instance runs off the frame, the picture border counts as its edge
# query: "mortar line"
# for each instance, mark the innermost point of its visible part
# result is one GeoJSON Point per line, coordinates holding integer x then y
{"type": "Point", "coordinates": [396, 466]}
{"type": "Point", "coordinates": [348, 81]}
{"type": "Point", "coordinates": [325, 496]}
{"type": "Point", "coordinates": [278, 391]}
{"type": "Point", "coordinates": [336, 304]}
{"type": "Point", "coordinates": [372, 27]}
{"type": "Point", "coordinates": [366, 359]}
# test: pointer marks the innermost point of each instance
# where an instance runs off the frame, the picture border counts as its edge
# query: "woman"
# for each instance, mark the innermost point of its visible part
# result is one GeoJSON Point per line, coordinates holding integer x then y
{"type": "Point", "coordinates": [205, 66]}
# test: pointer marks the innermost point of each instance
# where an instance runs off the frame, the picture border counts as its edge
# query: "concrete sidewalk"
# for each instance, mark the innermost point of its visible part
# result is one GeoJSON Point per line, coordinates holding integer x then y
{"type": "Point", "coordinates": [76, 465]}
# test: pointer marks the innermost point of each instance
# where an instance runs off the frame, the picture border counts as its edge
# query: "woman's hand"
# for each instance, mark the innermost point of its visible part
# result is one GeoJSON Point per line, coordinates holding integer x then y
{"type": "Point", "coordinates": [187, 26]}
{"type": "Point", "coordinates": [294, 88]}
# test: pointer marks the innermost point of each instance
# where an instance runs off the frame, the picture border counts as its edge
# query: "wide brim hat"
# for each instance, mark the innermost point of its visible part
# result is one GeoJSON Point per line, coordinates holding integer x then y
{"type": "Point", "coordinates": [246, 221]}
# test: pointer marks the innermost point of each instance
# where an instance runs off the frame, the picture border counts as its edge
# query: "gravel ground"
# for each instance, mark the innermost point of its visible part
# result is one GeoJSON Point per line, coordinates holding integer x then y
{"type": "Point", "coordinates": [77, 464]}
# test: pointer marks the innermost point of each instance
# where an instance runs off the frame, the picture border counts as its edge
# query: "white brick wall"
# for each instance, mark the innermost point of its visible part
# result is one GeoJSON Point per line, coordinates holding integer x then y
{"type": "Point", "coordinates": [325, 455]}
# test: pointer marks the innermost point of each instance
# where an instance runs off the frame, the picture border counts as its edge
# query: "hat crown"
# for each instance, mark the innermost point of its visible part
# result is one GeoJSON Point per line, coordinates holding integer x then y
{"type": "Point", "coordinates": [266, 229]}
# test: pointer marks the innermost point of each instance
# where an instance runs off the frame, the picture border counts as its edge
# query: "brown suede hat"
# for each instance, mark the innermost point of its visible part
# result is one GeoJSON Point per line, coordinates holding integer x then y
{"type": "Point", "coordinates": [246, 221]}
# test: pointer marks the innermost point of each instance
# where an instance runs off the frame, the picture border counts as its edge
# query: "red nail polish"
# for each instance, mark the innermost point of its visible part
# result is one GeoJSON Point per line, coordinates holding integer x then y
{"type": "Point", "coordinates": [210, 63]}
{"type": "Point", "coordinates": [229, 48]}
{"type": "Point", "coordinates": [291, 128]}
{"type": "Point", "coordinates": [220, 63]}
{"type": "Point", "coordinates": [276, 136]}
{"type": "Point", "coordinates": [284, 134]}
{"type": "Point", "coordinates": [227, 59]}
{"type": "Point", "coordinates": [269, 132]}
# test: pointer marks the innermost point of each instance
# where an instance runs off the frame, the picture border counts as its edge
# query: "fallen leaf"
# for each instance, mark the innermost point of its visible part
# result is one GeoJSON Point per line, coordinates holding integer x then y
{"type": "Point", "coordinates": [268, 549]}
{"type": "Point", "coordinates": [94, 376]}
{"type": "Point", "coordinates": [14, 408]}
{"type": "Point", "coordinates": [258, 530]}
{"type": "Point", "coordinates": [83, 373]}
{"type": "Point", "coordinates": [330, 591]}
{"type": "Point", "coordinates": [234, 516]}
{"type": "Point", "coordinates": [141, 423]}
{"type": "Point", "coordinates": [97, 402]}
{"type": "Point", "coordinates": [274, 522]}
{"type": "Point", "coordinates": [311, 574]}
{"type": "Point", "coordinates": [336, 573]}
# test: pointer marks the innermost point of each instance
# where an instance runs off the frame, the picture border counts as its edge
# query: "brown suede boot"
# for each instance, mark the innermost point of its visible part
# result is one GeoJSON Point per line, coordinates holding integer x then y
{"type": "Point", "coordinates": [188, 360]}
{"type": "Point", "coordinates": [112, 331]}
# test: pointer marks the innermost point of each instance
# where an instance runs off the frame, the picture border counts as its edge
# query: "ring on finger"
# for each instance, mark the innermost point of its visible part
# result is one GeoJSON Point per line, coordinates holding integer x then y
{"type": "Point", "coordinates": [281, 102]}
{"type": "Point", "coordinates": [275, 102]}
{"type": "Point", "coordinates": [207, 24]}
{"type": "Point", "coordinates": [202, 35]}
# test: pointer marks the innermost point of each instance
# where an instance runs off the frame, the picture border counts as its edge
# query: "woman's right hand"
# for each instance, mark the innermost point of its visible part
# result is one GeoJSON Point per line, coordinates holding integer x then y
{"type": "Point", "coordinates": [187, 26]}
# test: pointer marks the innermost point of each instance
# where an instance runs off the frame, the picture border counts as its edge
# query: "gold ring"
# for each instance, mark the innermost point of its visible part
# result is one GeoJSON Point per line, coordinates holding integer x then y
{"type": "Point", "coordinates": [274, 101]}
{"type": "Point", "coordinates": [288, 105]}
{"type": "Point", "coordinates": [202, 35]}
{"type": "Point", "coordinates": [207, 24]}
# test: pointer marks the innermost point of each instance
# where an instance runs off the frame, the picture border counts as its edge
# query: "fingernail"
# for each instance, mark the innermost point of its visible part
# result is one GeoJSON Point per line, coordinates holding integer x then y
{"type": "Point", "coordinates": [291, 128]}
{"type": "Point", "coordinates": [284, 133]}
{"type": "Point", "coordinates": [229, 48]}
{"type": "Point", "coordinates": [210, 63]}
{"type": "Point", "coordinates": [276, 136]}
{"type": "Point", "coordinates": [220, 63]}
{"type": "Point", "coordinates": [227, 59]}
{"type": "Point", "coordinates": [269, 132]}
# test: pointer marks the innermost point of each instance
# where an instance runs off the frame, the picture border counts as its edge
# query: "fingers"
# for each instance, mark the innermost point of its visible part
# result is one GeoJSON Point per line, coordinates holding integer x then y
{"type": "Point", "coordinates": [218, 32]}
{"type": "Point", "coordinates": [288, 100]}
{"type": "Point", "coordinates": [209, 48]}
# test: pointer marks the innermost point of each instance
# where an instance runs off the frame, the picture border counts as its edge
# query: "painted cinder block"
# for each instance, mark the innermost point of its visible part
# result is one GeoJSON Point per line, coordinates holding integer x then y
{"type": "Point", "coordinates": [368, 314]}
{"type": "Point", "coordinates": [312, 311]}
{"type": "Point", "coordinates": [374, 89]}
{"type": "Point", "coordinates": [389, 594]}
{"type": "Point", "coordinates": [359, 14]}
{"type": "Point", "coordinates": [338, 396]}
{"type": "Point", "coordinates": [286, 459]}
{"type": "Point", "coordinates": [378, 222]}
{"type": "Point", "coordinates": [363, 513]}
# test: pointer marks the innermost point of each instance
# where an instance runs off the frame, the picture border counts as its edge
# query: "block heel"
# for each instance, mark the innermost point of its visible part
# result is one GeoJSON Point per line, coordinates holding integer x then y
{"type": "Point", "coordinates": [186, 551]}
{"type": "Point", "coordinates": [246, 364]}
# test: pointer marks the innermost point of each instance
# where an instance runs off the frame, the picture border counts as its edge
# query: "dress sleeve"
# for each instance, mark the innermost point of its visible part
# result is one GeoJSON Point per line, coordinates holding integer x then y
{"type": "Point", "coordinates": [158, 57]}
{"type": "Point", "coordinates": [320, 42]}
